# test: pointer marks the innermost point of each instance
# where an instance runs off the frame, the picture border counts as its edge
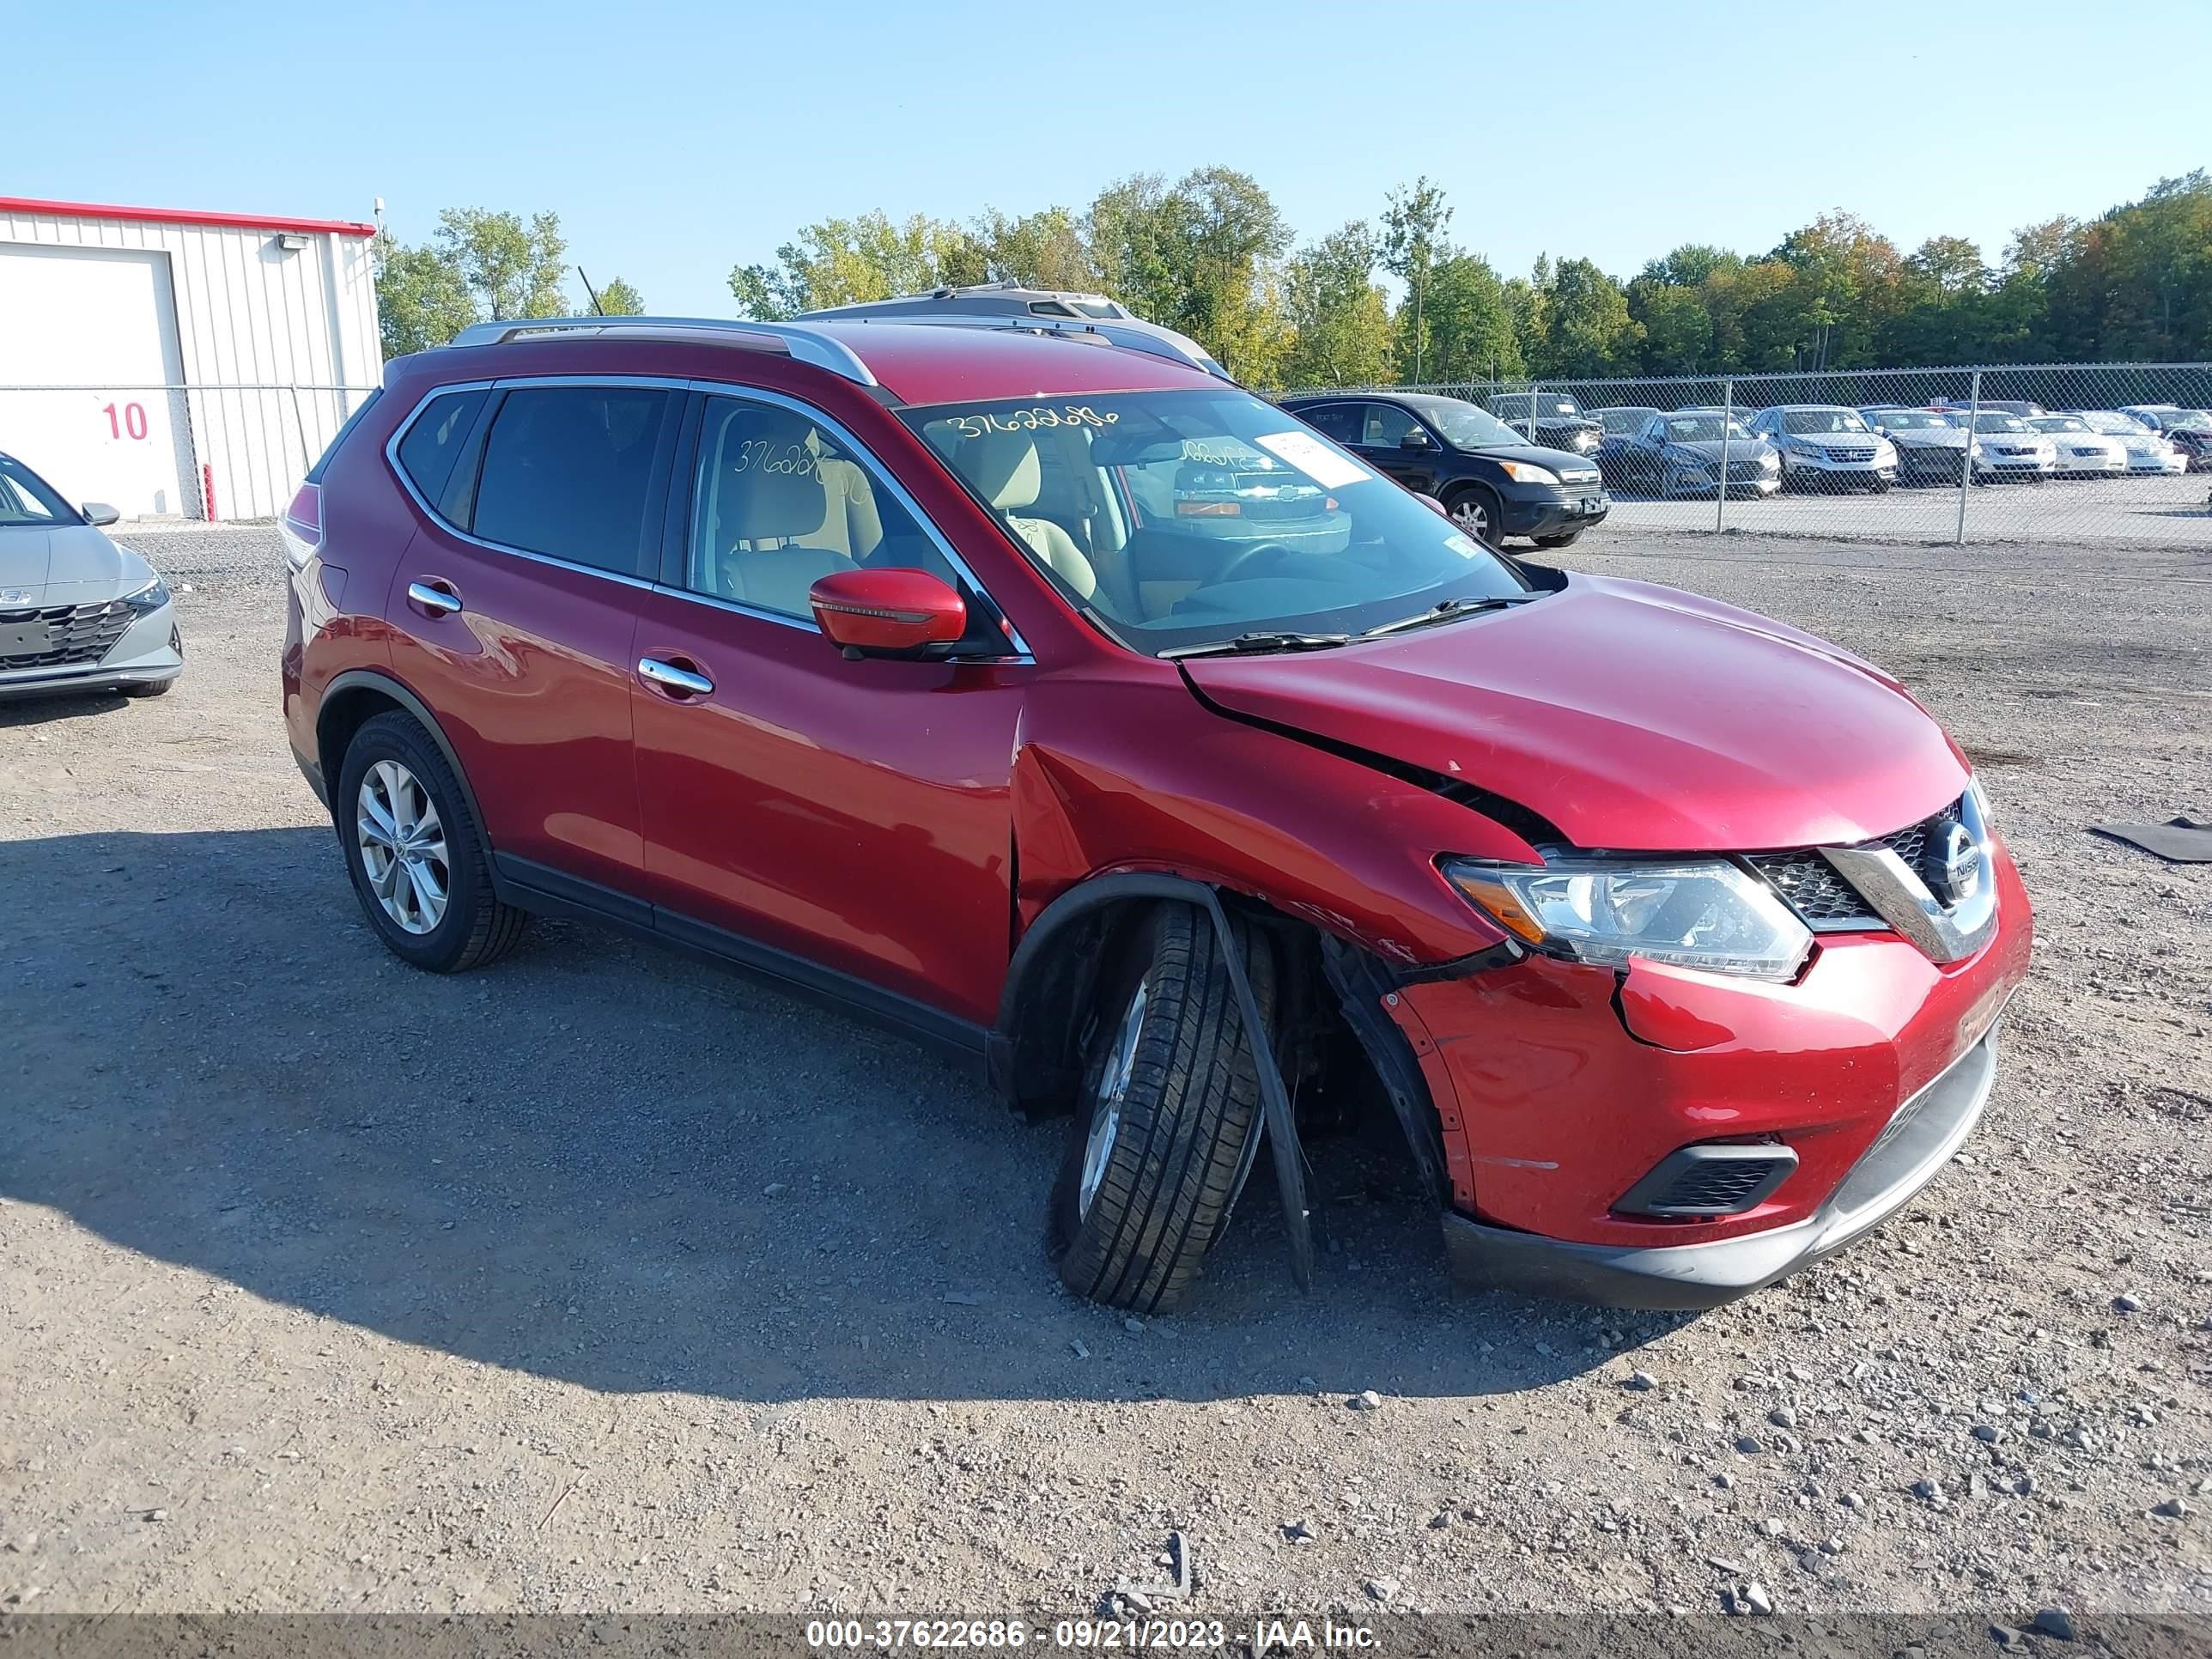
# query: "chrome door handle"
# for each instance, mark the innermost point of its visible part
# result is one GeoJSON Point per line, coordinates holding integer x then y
{"type": "Point", "coordinates": [433, 598]}
{"type": "Point", "coordinates": [675, 678]}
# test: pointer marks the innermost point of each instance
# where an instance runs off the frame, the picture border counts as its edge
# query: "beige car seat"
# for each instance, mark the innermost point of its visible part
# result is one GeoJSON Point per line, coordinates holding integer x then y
{"type": "Point", "coordinates": [1006, 472]}
{"type": "Point", "coordinates": [771, 531]}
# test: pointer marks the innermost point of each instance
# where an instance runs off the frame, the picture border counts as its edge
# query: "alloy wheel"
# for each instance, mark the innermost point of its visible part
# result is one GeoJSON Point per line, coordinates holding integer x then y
{"type": "Point", "coordinates": [1106, 1108]}
{"type": "Point", "coordinates": [1470, 515]}
{"type": "Point", "coordinates": [403, 846]}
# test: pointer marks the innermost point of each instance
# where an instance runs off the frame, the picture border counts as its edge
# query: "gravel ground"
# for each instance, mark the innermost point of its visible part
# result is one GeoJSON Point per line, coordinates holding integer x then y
{"type": "Point", "coordinates": [607, 1280]}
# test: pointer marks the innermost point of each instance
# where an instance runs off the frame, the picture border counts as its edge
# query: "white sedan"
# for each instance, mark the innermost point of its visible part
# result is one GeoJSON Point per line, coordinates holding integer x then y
{"type": "Point", "coordinates": [2147, 451]}
{"type": "Point", "coordinates": [2082, 450]}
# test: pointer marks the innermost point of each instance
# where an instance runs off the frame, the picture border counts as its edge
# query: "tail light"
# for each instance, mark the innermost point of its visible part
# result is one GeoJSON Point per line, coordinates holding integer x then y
{"type": "Point", "coordinates": [302, 526]}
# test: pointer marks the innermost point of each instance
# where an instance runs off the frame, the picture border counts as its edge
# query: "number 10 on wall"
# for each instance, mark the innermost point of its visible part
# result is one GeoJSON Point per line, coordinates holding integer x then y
{"type": "Point", "coordinates": [127, 419]}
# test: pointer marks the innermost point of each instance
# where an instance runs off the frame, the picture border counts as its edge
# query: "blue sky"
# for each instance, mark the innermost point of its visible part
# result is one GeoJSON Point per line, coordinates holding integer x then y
{"type": "Point", "coordinates": [678, 139]}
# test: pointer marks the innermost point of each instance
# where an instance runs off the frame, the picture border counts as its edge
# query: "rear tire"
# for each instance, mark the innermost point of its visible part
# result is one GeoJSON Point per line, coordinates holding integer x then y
{"type": "Point", "coordinates": [427, 890]}
{"type": "Point", "coordinates": [1168, 1115]}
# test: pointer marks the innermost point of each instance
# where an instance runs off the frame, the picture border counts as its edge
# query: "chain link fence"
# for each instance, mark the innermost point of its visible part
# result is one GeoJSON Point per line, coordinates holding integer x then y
{"type": "Point", "coordinates": [171, 452]}
{"type": "Point", "coordinates": [2038, 452]}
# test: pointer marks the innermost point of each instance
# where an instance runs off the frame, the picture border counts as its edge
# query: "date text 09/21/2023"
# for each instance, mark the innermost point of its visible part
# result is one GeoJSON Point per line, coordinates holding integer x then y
{"type": "Point", "coordinates": [1262, 1635]}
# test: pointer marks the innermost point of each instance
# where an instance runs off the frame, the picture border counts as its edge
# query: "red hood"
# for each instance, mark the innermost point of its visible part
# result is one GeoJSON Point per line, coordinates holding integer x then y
{"type": "Point", "coordinates": [1632, 716]}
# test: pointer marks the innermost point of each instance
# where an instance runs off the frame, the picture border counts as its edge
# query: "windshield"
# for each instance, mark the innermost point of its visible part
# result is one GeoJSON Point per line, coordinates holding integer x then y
{"type": "Point", "coordinates": [1465, 426]}
{"type": "Point", "coordinates": [2116, 426]}
{"type": "Point", "coordinates": [1702, 430]}
{"type": "Point", "coordinates": [1516, 405]}
{"type": "Point", "coordinates": [1996, 421]}
{"type": "Point", "coordinates": [2059, 423]}
{"type": "Point", "coordinates": [1909, 420]}
{"type": "Point", "coordinates": [26, 498]}
{"type": "Point", "coordinates": [1185, 518]}
{"type": "Point", "coordinates": [2189, 420]}
{"type": "Point", "coordinates": [1620, 421]}
{"type": "Point", "coordinates": [1821, 420]}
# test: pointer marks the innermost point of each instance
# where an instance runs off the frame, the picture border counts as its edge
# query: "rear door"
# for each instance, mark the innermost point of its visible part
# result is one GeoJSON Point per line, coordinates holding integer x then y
{"type": "Point", "coordinates": [1382, 429]}
{"type": "Point", "coordinates": [514, 609]}
{"type": "Point", "coordinates": [800, 810]}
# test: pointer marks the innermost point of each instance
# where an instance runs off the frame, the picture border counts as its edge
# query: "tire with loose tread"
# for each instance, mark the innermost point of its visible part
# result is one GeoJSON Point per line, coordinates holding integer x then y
{"type": "Point", "coordinates": [1188, 1112]}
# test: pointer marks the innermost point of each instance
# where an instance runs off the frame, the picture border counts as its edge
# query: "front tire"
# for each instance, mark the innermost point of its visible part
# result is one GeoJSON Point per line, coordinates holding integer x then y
{"type": "Point", "coordinates": [414, 853]}
{"type": "Point", "coordinates": [1477, 512]}
{"type": "Point", "coordinates": [1168, 1116]}
{"type": "Point", "coordinates": [1567, 540]}
{"type": "Point", "coordinates": [150, 688]}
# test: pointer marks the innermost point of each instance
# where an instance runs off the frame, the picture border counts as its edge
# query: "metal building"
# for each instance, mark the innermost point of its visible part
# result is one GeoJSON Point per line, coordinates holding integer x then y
{"type": "Point", "coordinates": [179, 364]}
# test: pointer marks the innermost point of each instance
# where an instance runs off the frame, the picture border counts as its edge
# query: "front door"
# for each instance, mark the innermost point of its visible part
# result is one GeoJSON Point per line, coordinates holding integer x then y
{"type": "Point", "coordinates": [513, 607]}
{"type": "Point", "coordinates": [854, 814]}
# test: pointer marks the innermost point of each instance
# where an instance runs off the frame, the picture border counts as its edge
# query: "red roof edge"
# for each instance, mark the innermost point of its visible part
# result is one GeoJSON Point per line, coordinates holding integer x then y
{"type": "Point", "coordinates": [160, 215]}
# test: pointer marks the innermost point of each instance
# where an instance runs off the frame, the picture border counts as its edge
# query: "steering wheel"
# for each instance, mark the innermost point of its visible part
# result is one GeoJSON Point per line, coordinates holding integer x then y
{"type": "Point", "coordinates": [1235, 567]}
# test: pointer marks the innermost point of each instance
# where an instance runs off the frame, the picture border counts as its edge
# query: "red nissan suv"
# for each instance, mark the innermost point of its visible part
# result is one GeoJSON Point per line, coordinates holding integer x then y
{"type": "Point", "coordinates": [1025, 685]}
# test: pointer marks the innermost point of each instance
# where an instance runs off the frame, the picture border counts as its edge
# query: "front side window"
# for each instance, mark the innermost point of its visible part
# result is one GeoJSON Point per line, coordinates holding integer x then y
{"type": "Point", "coordinates": [779, 503]}
{"type": "Point", "coordinates": [1383, 426]}
{"type": "Point", "coordinates": [567, 472]}
{"type": "Point", "coordinates": [26, 498]}
{"type": "Point", "coordinates": [1465, 426]}
{"type": "Point", "coordinates": [1190, 517]}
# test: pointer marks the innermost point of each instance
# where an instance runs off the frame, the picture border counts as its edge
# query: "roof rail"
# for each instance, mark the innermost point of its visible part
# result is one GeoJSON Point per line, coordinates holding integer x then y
{"type": "Point", "coordinates": [796, 340]}
{"type": "Point", "coordinates": [1147, 338]}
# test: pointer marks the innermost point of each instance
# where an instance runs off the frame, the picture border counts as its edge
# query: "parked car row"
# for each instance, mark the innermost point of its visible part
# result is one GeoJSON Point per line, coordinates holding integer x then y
{"type": "Point", "coordinates": [1830, 447]}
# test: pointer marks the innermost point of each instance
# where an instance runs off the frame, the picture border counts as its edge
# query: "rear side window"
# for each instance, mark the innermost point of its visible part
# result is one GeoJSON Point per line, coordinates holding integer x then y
{"type": "Point", "coordinates": [433, 442]}
{"type": "Point", "coordinates": [568, 472]}
{"type": "Point", "coordinates": [1337, 421]}
{"type": "Point", "coordinates": [345, 431]}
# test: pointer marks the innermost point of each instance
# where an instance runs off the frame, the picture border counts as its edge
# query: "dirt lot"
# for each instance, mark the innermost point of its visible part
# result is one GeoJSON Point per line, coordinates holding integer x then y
{"type": "Point", "coordinates": [606, 1281]}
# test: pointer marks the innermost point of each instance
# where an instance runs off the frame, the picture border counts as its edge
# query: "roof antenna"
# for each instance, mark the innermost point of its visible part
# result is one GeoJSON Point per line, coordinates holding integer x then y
{"type": "Point", "coordinates": [586, 282]}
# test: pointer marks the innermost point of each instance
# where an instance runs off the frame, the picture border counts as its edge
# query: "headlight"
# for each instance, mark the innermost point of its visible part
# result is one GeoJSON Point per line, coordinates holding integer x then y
{"type": "Point", "coordinates": [1770, 462]}
{"type": "Point", "coordinates": [149, 599]}
{"type": "Point", "coordinates": [1529, 473]}
{"type": "Point", "coordinates": [1975, 450]}
{"type": "Point", "coordinates": [1800, 446]}
{"type": "Point", "coordinates": [1885, 451]}
{"type": "Point", "coordinates": [1706, 914]}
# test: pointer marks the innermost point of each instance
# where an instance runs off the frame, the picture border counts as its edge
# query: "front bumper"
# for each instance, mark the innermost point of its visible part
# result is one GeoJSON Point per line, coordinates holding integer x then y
{"type": "Point", "coordinates": [1822, 470]}
{"type": "Point", "coordinates": [1559, 1087]}
{"type": "Point", "coordinates": [150, 653]}
{"type": "Point", "coordinates": [1542, 510]}
{"type": "Point", "coordinates": [1907, 1155]}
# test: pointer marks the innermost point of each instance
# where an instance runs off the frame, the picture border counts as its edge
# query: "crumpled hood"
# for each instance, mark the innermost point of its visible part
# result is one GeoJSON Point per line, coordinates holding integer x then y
{"type": "Point", "coordinates": [1632, 716]}
{"type": "Point", "coordinates": [67, 564]}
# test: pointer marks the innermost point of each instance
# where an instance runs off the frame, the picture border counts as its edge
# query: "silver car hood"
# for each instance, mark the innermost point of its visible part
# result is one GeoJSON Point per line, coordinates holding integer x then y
{"type": "Point", "coordinates": [68, 564]}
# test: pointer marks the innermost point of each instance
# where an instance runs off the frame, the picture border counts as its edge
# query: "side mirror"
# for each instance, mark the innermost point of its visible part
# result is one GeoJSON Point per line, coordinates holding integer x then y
{"type": "Point", "coordinates": [1415, 437]}
{"type": "Point", "coordinates": [1433, 505]}
{"type": "Point", "coordinates": [887, 613]}
{"type": "Point", "coordinates": [99, 512]}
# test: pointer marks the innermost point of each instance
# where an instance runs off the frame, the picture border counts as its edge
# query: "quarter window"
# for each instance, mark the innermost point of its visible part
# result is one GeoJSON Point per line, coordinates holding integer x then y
{"type": "Point", "coordinates": [433, 443]}
{"type": "Point", "coordinates": [568, 471]}
{"type": "Point", "coordinates": [778, 503]}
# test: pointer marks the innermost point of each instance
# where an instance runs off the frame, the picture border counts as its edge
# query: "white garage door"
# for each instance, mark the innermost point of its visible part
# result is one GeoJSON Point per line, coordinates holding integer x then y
{"type": "Point", "coordinates": [99, 317]}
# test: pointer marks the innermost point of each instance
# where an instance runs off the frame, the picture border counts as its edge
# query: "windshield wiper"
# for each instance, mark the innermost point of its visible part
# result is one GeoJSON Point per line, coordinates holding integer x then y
{"type": "Point", "coordinates": [1248, 644]}
{"type": "Point", "coordinates": [1448, 610]}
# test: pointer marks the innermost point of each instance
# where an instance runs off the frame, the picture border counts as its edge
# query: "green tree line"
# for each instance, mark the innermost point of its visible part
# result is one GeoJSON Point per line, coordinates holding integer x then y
{"type": "Point", "coordinates": [478, 266]}
{"type": "Point", "coordinates": [1398, 298]}
{"type": "Point", "coordinates": [1210, 255]}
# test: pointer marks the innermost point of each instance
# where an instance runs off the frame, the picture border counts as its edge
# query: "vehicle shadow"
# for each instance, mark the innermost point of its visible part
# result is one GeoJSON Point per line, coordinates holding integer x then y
{"type": "Point", "coordinates": [603, 1163]}
{"type": "Point", "coordinates": [42, 711]}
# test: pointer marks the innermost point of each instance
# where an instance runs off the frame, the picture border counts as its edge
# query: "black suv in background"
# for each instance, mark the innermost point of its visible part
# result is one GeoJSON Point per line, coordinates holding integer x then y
{"type": "Point", "coordinates": [1492, 482]}
{"type": "Point", "coordinates": [1558, 420]}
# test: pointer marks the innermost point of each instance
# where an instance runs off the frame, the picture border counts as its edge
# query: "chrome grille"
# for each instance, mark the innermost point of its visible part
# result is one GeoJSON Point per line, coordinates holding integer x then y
{"type": "Point", "coordinates": [75, 634]}
{"type": "Point", "coordinates": [1839, 454]}
{"type": "Point", "coordinates": [1816, 890]}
